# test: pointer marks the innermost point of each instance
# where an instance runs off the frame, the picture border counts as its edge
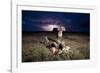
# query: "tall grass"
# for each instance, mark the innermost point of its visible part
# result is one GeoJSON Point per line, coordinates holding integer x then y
{"type": "Point", "coordinates": [43, 54]}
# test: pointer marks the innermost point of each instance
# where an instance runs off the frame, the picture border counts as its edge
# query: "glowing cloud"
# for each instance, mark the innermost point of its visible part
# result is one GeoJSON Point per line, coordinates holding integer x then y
{"type": "Point", "coordinates": [50, 27]}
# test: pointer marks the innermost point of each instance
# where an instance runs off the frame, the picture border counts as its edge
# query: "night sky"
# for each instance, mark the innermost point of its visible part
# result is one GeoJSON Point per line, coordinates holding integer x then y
{"type": "Point", "coordinates": [46, 21]}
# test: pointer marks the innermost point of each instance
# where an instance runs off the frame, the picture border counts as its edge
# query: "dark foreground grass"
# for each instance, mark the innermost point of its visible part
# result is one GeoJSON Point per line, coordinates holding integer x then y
{"type": "Point", "coordinates": [35, 51]}
{"type": "Point", "coordinates": [43, 54]}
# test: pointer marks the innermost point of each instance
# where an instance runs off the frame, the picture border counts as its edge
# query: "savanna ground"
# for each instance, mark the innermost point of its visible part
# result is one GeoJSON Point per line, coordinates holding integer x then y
{"type": "Point", "coordinates": [34, 50]}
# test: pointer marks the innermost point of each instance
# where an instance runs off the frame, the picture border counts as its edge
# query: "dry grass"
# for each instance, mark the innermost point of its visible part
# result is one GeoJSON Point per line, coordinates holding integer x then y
{"type": "Point", "coordinates": [33, 49]}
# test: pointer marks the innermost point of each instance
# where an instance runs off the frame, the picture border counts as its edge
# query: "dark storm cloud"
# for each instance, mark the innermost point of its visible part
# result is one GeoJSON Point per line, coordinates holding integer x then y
{"type": "Point", "coordinates": [73, 22]}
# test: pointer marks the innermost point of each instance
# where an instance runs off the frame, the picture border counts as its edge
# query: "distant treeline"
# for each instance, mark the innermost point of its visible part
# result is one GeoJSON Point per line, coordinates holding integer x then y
{"type": "Point", "coordinates": [30, 32]}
